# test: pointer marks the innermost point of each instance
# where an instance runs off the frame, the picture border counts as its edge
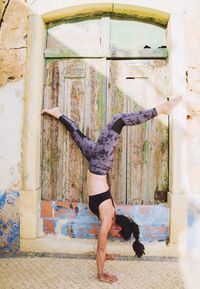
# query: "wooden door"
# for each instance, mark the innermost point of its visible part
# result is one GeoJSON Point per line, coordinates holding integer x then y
{"type": "Point", "coordinates": [90, 91]}
{"type": "Point", "coordinates": [140, 170]}
{"type": "Point", "coordinates": [76, 86]}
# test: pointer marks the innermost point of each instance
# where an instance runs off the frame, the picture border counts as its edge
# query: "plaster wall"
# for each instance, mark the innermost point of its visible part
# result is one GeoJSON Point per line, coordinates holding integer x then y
{"type": "Point", "coordinates": [192, 39]}
{"type": "Point", "coordinates": [192, 36]}
{"type": "Point", "coordinates": [190, 256]}
{"type": "Point", "coordinates": [13, 33]}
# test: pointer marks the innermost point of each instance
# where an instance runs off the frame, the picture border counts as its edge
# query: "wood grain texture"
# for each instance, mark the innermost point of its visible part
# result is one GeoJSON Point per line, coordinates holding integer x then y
{"type": "Point", "coordinates": [116, 103]}
{"type": "Point", "coordinates": [78, 93]}
{"type": "Point", "coordinates": [147, 147]}
{"type": "Point", "coordinates": [93, 109]}
{"type": "Point", "coordinates": [50, 150]}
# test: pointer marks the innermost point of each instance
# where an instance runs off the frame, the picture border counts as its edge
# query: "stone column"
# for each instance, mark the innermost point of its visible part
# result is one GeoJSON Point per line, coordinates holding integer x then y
{"type": "Point", "coordinates": [178, 184]}
{"type": "Point", "coordinates": [30, 196]}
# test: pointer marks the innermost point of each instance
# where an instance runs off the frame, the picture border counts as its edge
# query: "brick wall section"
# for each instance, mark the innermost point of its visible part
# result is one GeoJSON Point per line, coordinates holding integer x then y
{"type": "Point", "coordinates": [49, 226]}
{"type": "Point", "coordinates": [74, 219]}
{"type": "Point", "coordinates": [46, 209]}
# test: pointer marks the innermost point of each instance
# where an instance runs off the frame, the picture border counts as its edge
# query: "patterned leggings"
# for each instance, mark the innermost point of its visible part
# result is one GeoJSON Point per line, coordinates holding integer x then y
{"type": "Point", "coordinates": [100, 154]}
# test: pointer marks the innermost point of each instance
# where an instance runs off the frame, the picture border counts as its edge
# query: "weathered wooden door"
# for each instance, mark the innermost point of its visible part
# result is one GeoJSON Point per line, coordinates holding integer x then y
{"type": "Point", "coordinates": [140, 170]}
{"type": "Point", "coordinates": [90, 91]}
{"type": "Point", "coordinates": [76, 86]}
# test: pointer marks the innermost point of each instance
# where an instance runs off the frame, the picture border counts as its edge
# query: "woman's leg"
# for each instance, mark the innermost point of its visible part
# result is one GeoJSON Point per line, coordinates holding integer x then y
{"type": "Point", "coordinates": [133, 118]}
{"type": "Point", "coordinates": [103, 153]}
{"type": "Point", "coordinates": [120, 120]}
{"type": "Point", "coordinates": [85, 144]}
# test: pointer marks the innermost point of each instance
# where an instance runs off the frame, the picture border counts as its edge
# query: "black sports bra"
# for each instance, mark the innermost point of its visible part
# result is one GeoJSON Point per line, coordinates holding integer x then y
{"type": "Point", "coordinates": [96, 200]}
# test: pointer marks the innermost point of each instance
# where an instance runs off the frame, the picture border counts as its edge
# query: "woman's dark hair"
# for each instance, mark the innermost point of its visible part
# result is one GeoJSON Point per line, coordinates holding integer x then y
{"type": "Point", "coordinates": [128, 228]}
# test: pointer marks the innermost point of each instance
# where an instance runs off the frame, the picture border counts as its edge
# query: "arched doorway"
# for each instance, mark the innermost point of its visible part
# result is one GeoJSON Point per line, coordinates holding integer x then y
{"type": "Point", "coordinates": [96, 67]}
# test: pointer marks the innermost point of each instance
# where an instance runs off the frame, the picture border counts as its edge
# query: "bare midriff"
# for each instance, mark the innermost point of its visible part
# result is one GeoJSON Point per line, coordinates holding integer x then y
{"type": "Point", "coordinates": [96, 184]}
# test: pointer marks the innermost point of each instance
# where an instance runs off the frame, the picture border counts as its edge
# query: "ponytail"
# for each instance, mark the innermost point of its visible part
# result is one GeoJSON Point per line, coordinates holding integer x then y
{"type": "Point", "coordinates": [128, 227]}
{"type": "Point", "coordinates": [137, 246]}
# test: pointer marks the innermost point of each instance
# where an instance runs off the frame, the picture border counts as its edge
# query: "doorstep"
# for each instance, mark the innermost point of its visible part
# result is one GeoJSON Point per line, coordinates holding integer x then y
{"type": "Point", "coordinates": [88, 246]}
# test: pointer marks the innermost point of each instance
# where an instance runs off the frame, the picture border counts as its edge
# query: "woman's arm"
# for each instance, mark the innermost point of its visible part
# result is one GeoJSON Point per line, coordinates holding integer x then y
{"type": "Point", "coordinates": [101, 247]}
{"type": "Point", "coordinates": [101, 250]}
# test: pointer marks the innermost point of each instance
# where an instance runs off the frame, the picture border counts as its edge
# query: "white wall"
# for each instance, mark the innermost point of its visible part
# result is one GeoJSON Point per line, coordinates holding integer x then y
{"type": "Point", "coordinates": [11, 122]}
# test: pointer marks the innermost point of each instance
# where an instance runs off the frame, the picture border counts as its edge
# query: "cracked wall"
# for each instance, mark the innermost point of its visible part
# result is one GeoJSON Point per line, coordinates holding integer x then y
{"type": "Point", "coordinates": [13, 35]}
{"type": "Point", "coordinates": [14, 17]}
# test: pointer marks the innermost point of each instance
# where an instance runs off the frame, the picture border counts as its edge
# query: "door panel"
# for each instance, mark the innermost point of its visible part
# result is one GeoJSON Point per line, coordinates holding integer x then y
{"type": "Point", "coordinates": [140, 169]}
{"type": "Point", "coordinates": [147, 144]}
{"type": "Point", "coordinates": [116, 103]}
{"type": "Point", "coordinates": [90, 91]}
{"type": "Point", "coordinates": [50, 153]}
{"type": "Point", "coordinates": [94, 110]}
{"type": "Point", "coordinates": [76, 87]}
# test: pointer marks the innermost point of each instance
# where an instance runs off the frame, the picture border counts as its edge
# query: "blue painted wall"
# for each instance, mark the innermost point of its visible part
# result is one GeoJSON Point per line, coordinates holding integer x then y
{"type": "Point", "coordinates": [75, 220]}
{"type": "Point", "coordinates": [9, 222]}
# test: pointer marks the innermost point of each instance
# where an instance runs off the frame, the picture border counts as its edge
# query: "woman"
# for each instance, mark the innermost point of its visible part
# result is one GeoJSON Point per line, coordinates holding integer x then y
{"type": "Point", "coordinates": [100, 158]}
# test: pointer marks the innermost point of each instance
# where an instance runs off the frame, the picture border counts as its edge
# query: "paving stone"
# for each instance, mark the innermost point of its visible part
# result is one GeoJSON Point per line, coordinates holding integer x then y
{"type": "Point", "coordinates": [69, 273]}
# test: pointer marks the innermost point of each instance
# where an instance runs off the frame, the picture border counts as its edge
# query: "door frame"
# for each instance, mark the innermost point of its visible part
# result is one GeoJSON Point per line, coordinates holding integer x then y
{"type": "Point", "coordinates": [41, 14]}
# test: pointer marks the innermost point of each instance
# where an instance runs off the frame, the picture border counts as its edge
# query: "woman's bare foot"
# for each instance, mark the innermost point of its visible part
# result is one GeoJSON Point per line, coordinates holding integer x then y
{"type": "Point", "coordinates": [105, 277]}
{"type": "Point", "coordinates": [168, 106]}
{"type": "Point", "coordinates": [110, 257]}
{"type": "Point", "coordinates": [55, 112]}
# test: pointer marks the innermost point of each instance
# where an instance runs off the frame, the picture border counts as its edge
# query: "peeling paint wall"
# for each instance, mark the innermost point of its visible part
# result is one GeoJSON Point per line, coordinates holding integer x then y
{"type": "Point", "coordinates": [13, 33]}
{"type": "Point", "coordinates": [74, 220]}
{"type": "Point", "coordinates": [9, 222]}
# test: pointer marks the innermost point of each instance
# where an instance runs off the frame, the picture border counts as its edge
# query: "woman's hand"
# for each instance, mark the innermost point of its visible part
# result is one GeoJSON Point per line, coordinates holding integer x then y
{"type": "Point", "coordinates": [55, 112]}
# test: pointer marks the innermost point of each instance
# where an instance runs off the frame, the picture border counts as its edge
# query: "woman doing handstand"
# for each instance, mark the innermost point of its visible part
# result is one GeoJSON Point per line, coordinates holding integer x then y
{"type": "Point", "coordinates": [100, 158]}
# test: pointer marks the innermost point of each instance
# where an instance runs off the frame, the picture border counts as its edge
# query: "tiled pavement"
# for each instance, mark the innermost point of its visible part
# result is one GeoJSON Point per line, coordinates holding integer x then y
{"type": "Point", "coordinates": [60, 272]}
